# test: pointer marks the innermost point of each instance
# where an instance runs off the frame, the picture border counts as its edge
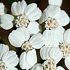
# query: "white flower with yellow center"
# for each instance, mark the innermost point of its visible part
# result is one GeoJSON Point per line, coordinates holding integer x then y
{"type": "Point", "coordinates": [54, 18]}
{"type": "Point", "coordinates": [47, 65]}
{"type": "Point", "coordinates": [65, 48]}
{"type": "Point", "coordinates": [26, 16]}
{"type": "Point", "coordinates": [21, 38]}
{"type": "Point", "coordinates": [50, 54]}
{"type": "Point", "coordinates": [5, 58]}
{"type": "Point", "coordinates": [6, 20]}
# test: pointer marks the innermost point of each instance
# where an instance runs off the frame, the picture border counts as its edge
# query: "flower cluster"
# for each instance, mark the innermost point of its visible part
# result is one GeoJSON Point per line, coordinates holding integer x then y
{"type": "Point", "coordinates": [53, 43]}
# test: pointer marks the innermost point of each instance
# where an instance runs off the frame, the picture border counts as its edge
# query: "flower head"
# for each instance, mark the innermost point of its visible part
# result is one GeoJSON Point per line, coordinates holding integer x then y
{"type": "Point", "coordinates": [5, 58]}
{"type": "Point", "coordinates": [65, 48]}
{"type": "Point", "coordinates": [21, 38]}
{"type": "Point", "coordinates": [26, 16]}
{"type": "Point", "coordinates": [54, 18]}
{"type": "Point", "coordinates": [51, 55]}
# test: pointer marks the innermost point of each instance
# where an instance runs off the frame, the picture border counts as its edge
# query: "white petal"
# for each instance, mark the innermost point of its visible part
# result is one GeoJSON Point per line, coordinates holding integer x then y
{"type": "Point", "coordinates": [60, 68]}
{"type": "Point", "coordinates": [37, 67]}
{"type": "Point", "coordinates": [24, 31]}
{"type": "Point", "coordinates": [63, 18]}
{"type": "Point", "coordinates": [37, 41]}
{"type": "Point", "coordinates": [59, 33]}
{"type": "Point", "coordinates": [43, 18]}
{"type": "Point", "coordinates": [31, 57]}
{"type": "Point", "coordinates": [10, 59]}
{"type": "Point", "coordinates": [56, 54]}
{"type": "Point", "coordinates": [67, 36]}
{"type": "Point", "coordinates": [35, 14]}
{"type": "Point", "coordinates": [30, 8]}
{"type": "Point", "coordinates": [44, 52]}
{"type": "Point", "coordinates": [33, 27]}
{"type": "Point", "coordinates": [50, 11]}
{"type": "Point", "coordinates": [12, 68]}
{"type": "Point", "coordinates": [55, 2]}
{"type": "Point", "coordinates": [18, 8]}
{"type": "Point", "coordinates": [7, 21]}
{"type": "Point", "coordinates": [23, 6]}
{"type": "Point", "coordinates": [50, 38]}
{"type": "Point", "coordinates": [2, 9]}
{"type": "Point", "coordinates": [67, 62]}
{"type": "Point", "coordinates": [17, 37]}
{"type": "Point", "coordinates": [23, 62]}
{"type": "Point", "coordinates": [3, 49]}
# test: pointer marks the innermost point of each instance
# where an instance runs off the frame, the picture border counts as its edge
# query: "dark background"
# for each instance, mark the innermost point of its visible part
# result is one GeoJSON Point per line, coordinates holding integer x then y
{"type": "Point", "coordinates": [42, 4]}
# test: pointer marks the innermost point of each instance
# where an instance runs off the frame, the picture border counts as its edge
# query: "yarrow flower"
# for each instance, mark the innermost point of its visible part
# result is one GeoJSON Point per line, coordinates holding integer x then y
{"type": "Point", "coordinates": [5, 19]}
{"type": "Point", "coordinates": [21, 38]}
{"type": "Point", "coordinates": [54, 18]}
{"type": "Point", "coordinates": [65, 48]}
{"type": "Point", "coordinates": [26, 16]}
{"type": "Point", "coordinates": [57, 53]}
{"type": "Point", "coordinates": [8, 59]}
{"type": "Point", "coordinates": [40, 67]}
{"type": "Point", "coordinates": [51, 58]}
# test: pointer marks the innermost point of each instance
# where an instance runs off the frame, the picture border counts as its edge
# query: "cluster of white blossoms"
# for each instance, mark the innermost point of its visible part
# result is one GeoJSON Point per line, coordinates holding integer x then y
{"type": "Point", "coordinates": [53, 42]}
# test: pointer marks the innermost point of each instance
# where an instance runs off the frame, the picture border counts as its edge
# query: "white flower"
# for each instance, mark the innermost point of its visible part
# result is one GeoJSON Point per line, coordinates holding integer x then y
{"type": "Point", "coordinates": [55, 2]}
{"type": "Point", "coordinates": [52, 57]}
{"type": "Point", "coordinates": [21, 38]}
{"type": "Point", "coordinates": [26, 15]}
{"type": "Point", "coordinates": [29, 59]}
{"type": "Point", "coordinates": [43, 66]}
{"type": "Point", "coordinates": [65, 48]}
{"type": "Point", "coordinates": [5, 19]}
{"type": "Point", "coordinates": [8, 59]}
{"type": "Point", "coordinates": [54, 19]}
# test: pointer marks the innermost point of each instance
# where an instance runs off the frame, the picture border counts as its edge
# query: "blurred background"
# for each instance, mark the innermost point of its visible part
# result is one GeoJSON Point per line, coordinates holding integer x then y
{"type": "Point", "coordinates": [42, 4]}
